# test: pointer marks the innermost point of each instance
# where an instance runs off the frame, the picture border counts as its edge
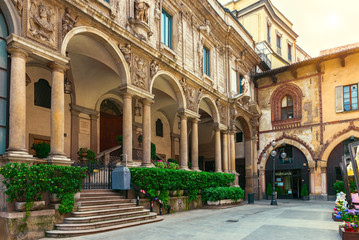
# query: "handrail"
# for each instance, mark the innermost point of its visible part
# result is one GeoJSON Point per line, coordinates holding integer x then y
{"type": "Point", "coordinates": [134, 186]}
{"type": "Point", "coordinates": [108, 151]}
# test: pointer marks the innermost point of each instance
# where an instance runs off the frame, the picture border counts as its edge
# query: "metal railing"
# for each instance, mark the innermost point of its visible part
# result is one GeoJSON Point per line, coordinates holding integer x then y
{"type": "Point", "coordinates": [152, 199]}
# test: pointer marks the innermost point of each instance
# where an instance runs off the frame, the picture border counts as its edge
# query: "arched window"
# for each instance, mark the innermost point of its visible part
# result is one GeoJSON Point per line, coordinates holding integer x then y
{"type": "Point", "coordinates": [159, 128]}
{"type": "Point", "coordinates": [42, 94]}
{"type": "Point", "coordinates": [287, 107]}
{"type": "Point", "coordinates": [4, 83]}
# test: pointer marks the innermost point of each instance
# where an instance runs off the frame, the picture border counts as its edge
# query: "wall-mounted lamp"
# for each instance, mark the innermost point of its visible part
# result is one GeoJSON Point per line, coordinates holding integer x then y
{"type": "Point", "coordinates": [67, 86]}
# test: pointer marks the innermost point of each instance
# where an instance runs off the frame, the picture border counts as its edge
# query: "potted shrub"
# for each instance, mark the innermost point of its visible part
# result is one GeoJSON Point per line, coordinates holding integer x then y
{"type": "Point", "coordinates": [304, 192]}
{"type": "Point", "coordinates": [86, 154]}
{"type": "Point", "coordinates": [42, 149]}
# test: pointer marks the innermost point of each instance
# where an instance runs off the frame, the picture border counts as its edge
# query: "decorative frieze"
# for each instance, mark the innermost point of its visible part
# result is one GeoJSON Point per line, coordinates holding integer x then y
{"type": "Point", "coordinates": [190, 95]}
{"type": "Point", "coordinates": [153, 68]}
{"type": "Point", "coordinates": [221, 111]}
{"type": "Point", "coordinates": [126, 51]}
{"type": "Point", "coordinates": [42, 25]}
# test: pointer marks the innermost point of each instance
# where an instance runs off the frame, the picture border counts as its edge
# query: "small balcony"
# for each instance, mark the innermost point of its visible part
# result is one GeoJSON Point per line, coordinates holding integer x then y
{"type": "Point", "coordinates": [265, 63]}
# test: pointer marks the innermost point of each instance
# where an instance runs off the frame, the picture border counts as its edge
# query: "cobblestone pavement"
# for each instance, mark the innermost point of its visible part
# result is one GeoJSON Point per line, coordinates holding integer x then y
{"type": "Point", "coordinates": [290, 220]}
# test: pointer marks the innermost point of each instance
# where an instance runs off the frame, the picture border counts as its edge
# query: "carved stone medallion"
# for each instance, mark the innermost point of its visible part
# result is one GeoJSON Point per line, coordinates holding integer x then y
{"type": "Point", "coordinates": [42, 25]}
{"type": "Point", "coordinates": [140, 73]}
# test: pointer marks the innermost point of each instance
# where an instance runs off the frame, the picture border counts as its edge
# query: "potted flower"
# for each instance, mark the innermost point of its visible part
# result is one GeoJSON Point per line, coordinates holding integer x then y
{"type": "Point", "coordinates": [350, 226]}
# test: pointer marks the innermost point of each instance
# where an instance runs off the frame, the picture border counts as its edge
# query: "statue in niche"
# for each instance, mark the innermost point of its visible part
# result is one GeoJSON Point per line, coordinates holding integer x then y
{"type": "Point", "coordinates": [19, 5]}
{"type": "Point", "coordinates": [68, 22]}
{"type": "Point", "coordinates": [158, 11]}
{"type": "Point", "coordinates": [140, 73]}
{"type": "Point", "coordinates": [245, 85]}
{"type": "Point", "coordinates": [41, 26]}
{"type": "Point", "coordinates": [141, 10]}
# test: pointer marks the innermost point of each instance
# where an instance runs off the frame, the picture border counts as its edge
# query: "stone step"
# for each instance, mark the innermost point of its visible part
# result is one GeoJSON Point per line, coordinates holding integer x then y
{"type": "Point", "coordinates": [98, 194]}
{"type": "Point", "coordinates": [107, 206]}
{"type": "Point", "coordinates": [74, 233]}
{"type": "Point", "coordinates": [96, 198]}
{"type": "Point", "coordinates": [105, 223]}
{"type": "Point", "coordinates": [103, 202]}
{"type": "Point", "coordinates": [76, 220]}
{"type": "Point", "coordinates": [107, 211]}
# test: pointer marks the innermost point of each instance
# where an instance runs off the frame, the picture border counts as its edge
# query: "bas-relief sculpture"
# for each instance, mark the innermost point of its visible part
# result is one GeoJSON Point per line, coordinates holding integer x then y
{"type": "Point", "coordinates": [141, 10]}
{"type": "Point", "coordinates": [42, 23]}
{"type": "Point", "coordinates": [153, 68]}
{"type": "Point", "coordinates": [68, 22]}
{"type": "Point", "coordinates": [19, 5]}
{"type": "Point", "coordinates": [126, 51]}
{"type": "Point", "coordinates": [140, 73]}
{"type": "Point", "coordinates": [221, 110]}
{"type": "Point", "coordinates": [190, 94]}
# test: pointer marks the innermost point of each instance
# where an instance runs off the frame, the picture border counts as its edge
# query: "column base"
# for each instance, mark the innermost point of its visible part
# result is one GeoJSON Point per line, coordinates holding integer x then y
{"type": "Point", "coordinates": [128, 164]}
{"type": "Point", "coordinates": [19, 157]}
{"type": "Point", "coordinates": [185, 168]}
{"type": "Point", "coordinates": [196, 169]}
{"type": "Point", "coordinates": [147, 165]}
{"type": "Point", "coordinates": [220, 171]}
{"type": "Point", "coordinates": [60, 160]}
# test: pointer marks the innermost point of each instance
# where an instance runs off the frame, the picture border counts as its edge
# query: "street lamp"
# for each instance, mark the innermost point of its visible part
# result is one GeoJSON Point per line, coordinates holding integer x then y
{"type": "Point", "coordinates": [274, 153]}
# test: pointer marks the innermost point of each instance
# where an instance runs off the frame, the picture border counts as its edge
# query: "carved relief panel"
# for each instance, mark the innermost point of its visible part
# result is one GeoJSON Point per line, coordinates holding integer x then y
{"type": "Point", "coordinates": [140, 72]}
{"type": "Point", "coordinates": [190, 94]}
{"type": "Point", "coordinates": [222, 111]}
{"type": "Point", "coordinates": [42, 22]}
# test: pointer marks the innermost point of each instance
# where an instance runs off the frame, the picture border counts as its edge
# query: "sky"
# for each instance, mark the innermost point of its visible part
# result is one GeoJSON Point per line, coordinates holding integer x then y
{"type": "Point", "coordinates": [322, 24]}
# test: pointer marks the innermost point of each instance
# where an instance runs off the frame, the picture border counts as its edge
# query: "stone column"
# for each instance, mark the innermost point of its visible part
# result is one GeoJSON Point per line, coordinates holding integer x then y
{"type": "Point", "coordinates": [183, 143]}
{"type": "Point", "coordinates": [57, 113]}
{"type": "Point", "coordinates": [225, 151]}
{"type": "Point", "coordinates": [194, 149]}
{"type": "Point", "coordinates": [75, 128]}
{"type": "Point", "coordinates": [311, 181]}
{"type": "Point", "coordinates": [17, 120]}
{"type": "Point", "coordinates": [146, 133]}
{"type": "Point", "coordinates": [127, 129]}
{"type": "Point", "coordinates": [218, 166]}
{"type": "Point", "coordinates": [173, 146]}
{"type": "Point", "coordinates": [232, 151]}
{"type": "Point", "coordinates": [93, 143]}
{"type": "Point", "coordinates": [324, 183]}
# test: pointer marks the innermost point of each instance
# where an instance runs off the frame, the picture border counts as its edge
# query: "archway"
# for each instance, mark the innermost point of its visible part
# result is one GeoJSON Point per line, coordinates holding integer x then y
{"type": "Point", "coordinates": [206, 133]}
{"type": "Point", "coordinates": [168, 99]}
{"type": "Point", "coordinates": [290, 172]}
{"type": "Point", "coordinates": [335, 157]}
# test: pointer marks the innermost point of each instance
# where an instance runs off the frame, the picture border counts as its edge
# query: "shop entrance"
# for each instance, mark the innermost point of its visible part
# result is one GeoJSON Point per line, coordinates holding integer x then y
{"type": "Point", "coordinates": [291, 173]}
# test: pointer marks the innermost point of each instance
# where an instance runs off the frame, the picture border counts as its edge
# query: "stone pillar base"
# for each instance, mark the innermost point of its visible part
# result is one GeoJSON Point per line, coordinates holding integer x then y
{"type": "Point", "coordinates": [18, 157]}
{"type": "Point", "coordinates": [147, 165]}
{"type": "Point", "coordinates": [185, 168]}
{"type": "Point", "coordinates": [196, 169]}
{"type": "Point", "coordinates": [59, 160]}
{"type": "Point", "coordinates": [236, 179]}
{"type": "Point", "coordinates": [128, 164]}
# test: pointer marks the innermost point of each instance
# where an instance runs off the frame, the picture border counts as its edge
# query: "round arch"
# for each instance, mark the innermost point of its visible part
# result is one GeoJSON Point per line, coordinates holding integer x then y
{"type": "Point", "coordinates": [263, 158]}
{"type": "Point", "coordinates": [176, 86]}
{"type": "Point", "coordinates": [11, 16]}
{"type": "Point", "coordinates": [334, 141]}
{"type": "Point", "coordinates": [212, 105]}
{"type": "Point", "coordinates": [244, 121]}
{"type": "Point", "coordinates": [107, 42]}
{"type": "Point", "coordinates": [110, 96]}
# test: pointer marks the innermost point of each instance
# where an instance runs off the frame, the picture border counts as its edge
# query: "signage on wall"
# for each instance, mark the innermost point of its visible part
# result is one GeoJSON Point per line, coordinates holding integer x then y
{"type": "Point", "coordinates": [283, 173]}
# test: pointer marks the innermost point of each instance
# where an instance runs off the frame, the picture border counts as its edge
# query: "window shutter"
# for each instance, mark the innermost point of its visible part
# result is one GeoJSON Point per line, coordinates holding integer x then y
{"type": "Point", "coordinates": [339, 99]}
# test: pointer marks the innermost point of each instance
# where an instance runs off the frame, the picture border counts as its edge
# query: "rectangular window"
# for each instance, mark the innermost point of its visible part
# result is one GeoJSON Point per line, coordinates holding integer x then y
{"type": "Point", "coordinates": [108, 1]}
{"type": "Point", "coordinates": [279, 50]}
{"type": "Point", "coordinates": [268, 33]}
{"type": "Point", "coordinates": [240, 78]}
{"type": "Point", "coordinates": [239, 137]}
{"type": "Point", "coordinates": [289, 52]}
{"type": "Point", "coordinates": [350, 97]}
{"type": "Point", "coordinates": [166, 29]}
{"type": "Point", "coordinates": [206, 61]}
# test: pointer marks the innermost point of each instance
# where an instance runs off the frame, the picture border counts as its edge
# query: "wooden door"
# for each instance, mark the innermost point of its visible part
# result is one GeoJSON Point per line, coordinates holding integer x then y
{"type": "Point", "coordinates": [110, 128]}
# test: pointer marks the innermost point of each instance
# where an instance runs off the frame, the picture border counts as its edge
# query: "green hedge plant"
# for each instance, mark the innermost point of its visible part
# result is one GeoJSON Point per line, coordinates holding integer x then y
{"type": "Point", "coordinates": [26, 183]}
{"type": "Point", "coordinates": [42, 149]}
{"type": "Point", "coordinates": [219, 193]}
{"type": "Point", "coordinates": [153, 180]}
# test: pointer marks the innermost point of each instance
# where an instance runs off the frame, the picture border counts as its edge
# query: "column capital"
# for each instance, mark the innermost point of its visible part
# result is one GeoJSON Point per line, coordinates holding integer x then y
{"type": "Point", "coordinates": [126, 94]}
{"type": "Point", "coordinates": [18, 52]}
{"type": "Point", "coordinates": [146, 101]}
{"type": "Point", "coordinates": [195, 120]}
{"type": "Point", "coordinates": [188, 113]}
{"type": "Point", "coordinates": [56, 66]}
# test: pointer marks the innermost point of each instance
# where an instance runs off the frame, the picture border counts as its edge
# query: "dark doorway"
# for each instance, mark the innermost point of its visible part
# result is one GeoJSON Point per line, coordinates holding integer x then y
{"type": "Point", "coordinates": [291, 173]}
{"type": "Point", "coordinates": [110, 125]}
{"type": "Point", "coordinates": [241, 169]}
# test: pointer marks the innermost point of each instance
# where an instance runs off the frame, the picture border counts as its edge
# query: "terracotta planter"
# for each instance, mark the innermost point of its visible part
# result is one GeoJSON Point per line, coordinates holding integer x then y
{"type": "Point", "coordinates": [348, 235]}
{"type": "Point", "coordinates": [334, 217]}
{"type": "Point", "coordinates": [37, 205]}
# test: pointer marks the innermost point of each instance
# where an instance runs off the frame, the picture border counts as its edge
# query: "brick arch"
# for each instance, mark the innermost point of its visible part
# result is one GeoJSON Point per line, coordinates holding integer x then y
{"type": "Point", "coordinates": [292, 140]}
{"type": "Point", "coordinates": [276, 101]}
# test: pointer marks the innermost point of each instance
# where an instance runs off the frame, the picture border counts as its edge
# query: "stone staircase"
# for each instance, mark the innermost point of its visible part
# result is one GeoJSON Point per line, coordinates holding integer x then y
{"type": "Point", "coordinates": [101, 211]}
